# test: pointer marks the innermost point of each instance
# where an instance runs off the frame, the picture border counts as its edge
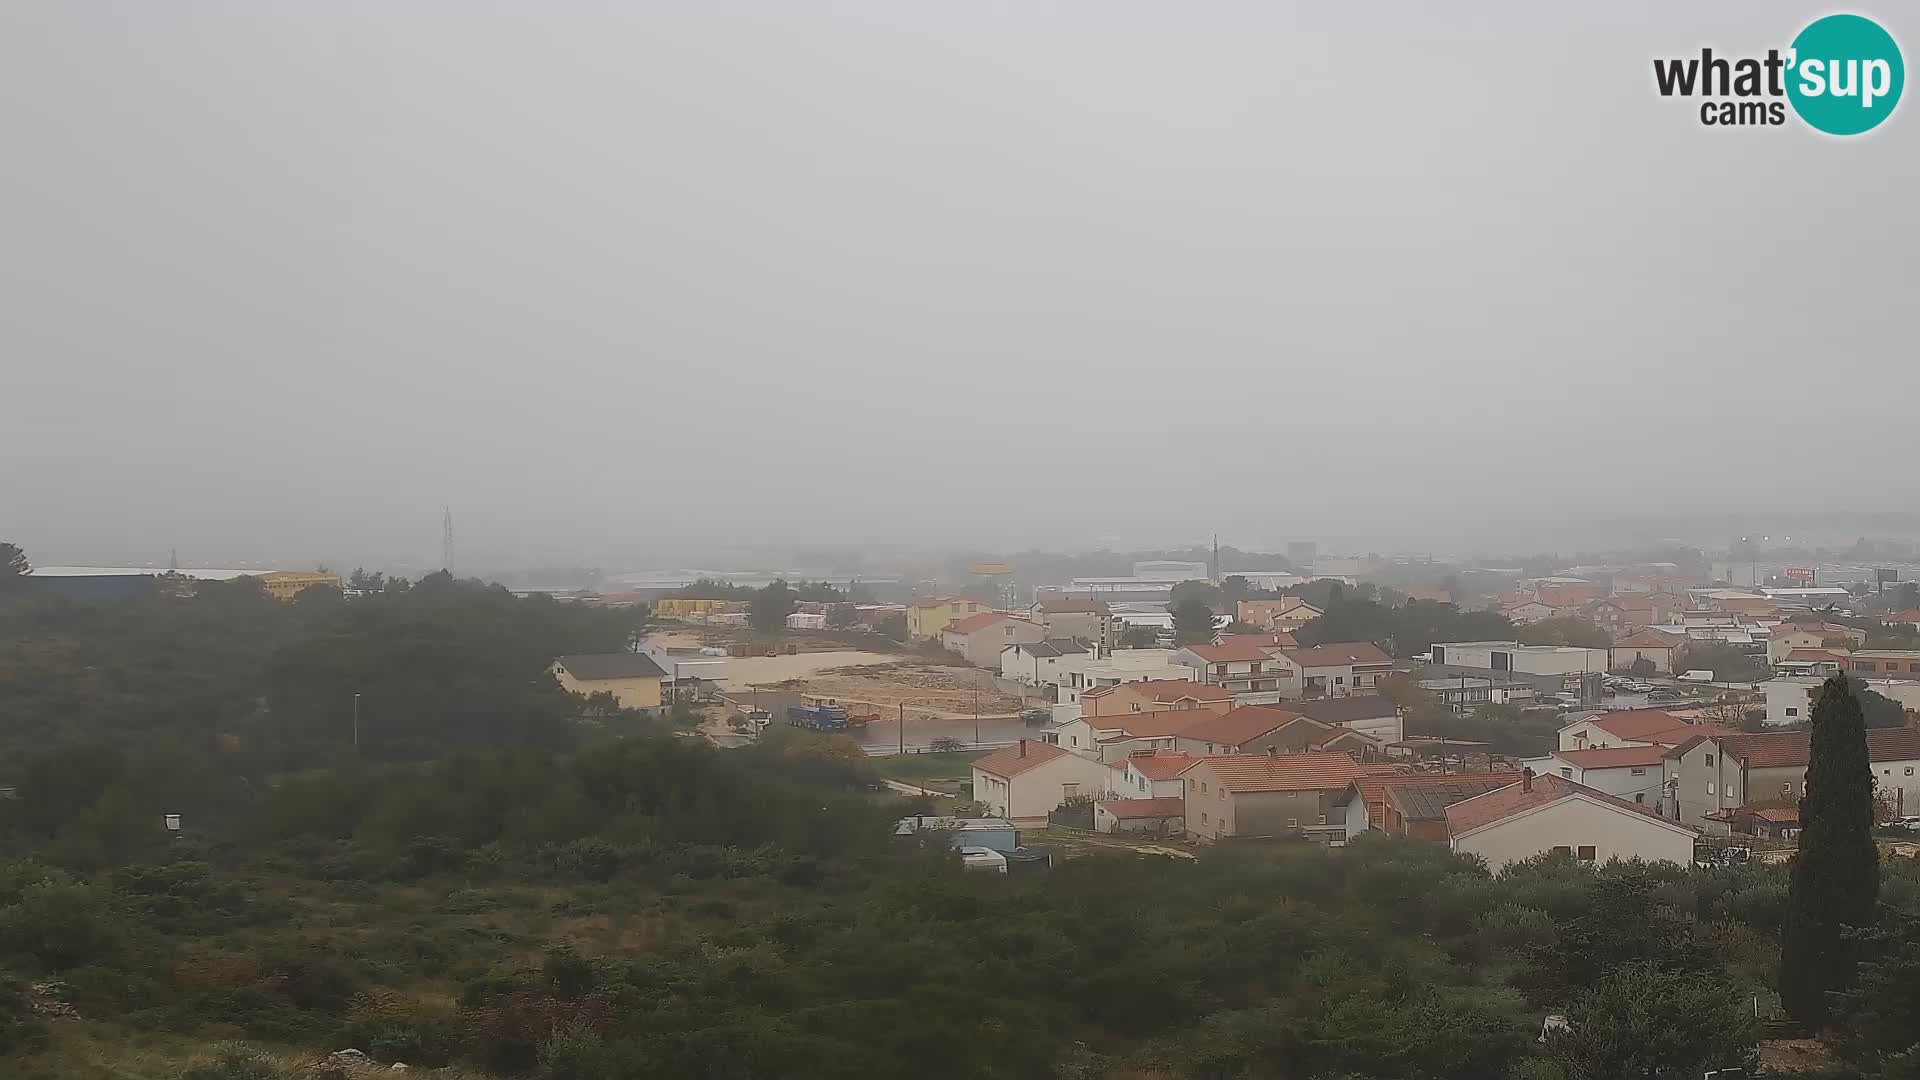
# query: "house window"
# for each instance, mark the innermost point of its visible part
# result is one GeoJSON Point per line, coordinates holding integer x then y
{"type": "Point", "coordinates": [1637, 771]}
{"type": "Point", "coordinates": [1709, 787]}
{"type": "Point", "coordinates": [1339, 680]}
{"type": "Point", "coordinates": [1562, 849]}
{"type": "Point", "coordinates": [1586, 853]}
{"type": "Point", "coordinates": [1791, 711]}
{"type": "Point", "coordinates": [1203, 817]}
{"type": "Point", "coordinates": [1223, 794]}
{"type": "Point", "coordinates": [1640, 796]}
{"type": "Point", "coordinates": [1709, 760]}
{"type": "Point", "coordinates": [1068, 791]}
{"type": "Point", "coordinates": [1293, 823]}
{"type": "Point", "coordinates": [1786, 788]}
{"type": "Point", "coordinates": [1568, 773]}
{"type": "Point", "coordinates": [1073, 740]}
{"type": "Point", "coordinates": [1323, 819]}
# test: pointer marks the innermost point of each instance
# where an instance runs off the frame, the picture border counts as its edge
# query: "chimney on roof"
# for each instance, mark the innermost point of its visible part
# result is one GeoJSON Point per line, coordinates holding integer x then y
{"type": "Point", "coordinates": [1273, 751]}
{"type": "Point", "coordinates": [1023, 748]}
{"type": "Point", "coordinates": [1526, 779]}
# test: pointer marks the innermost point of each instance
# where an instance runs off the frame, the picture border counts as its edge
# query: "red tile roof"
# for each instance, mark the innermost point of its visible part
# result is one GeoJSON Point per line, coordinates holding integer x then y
{"type": "Point", "coordinates": [1654, 726]}
{"type": "Point", "coordinates": [1146, 725]}
{"type": "Point", "coordinates": [1793, 749]}
{"type": "Point", "coordinates": [1236, 726]}
{"type": "Point", "coordinates": [1613, 757]}
{"type": "Point", "coordinates": [974, 623]}
{"type": "Point", "coordinates": [1171, 806]}
{"type": "Point", "coordinates": [1779, 815]}
{"type": "Point", "coordinates": [1237, 649]}
{"type": "Point", "coordinates": [1374, 787]}
{"type": "Point", "coordinates": [1246, 773]}
{"type": "Point", "coordinates": [1011, 761]}
{"type": "Point", "coordinates": [1816, 655]}
{"type": "Point", "coordinates": [1483, 810]}
{"type": "Point", "coordinates": [1339, 654]}
{"type": "Point", "coordinates": [1165, 690]}
{"type": "Point", "coordinates": [1158, 765]}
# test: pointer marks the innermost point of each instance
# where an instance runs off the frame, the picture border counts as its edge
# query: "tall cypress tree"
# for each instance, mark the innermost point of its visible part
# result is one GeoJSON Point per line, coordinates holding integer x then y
{"type": "Point", "coordinates": [1836, 877]}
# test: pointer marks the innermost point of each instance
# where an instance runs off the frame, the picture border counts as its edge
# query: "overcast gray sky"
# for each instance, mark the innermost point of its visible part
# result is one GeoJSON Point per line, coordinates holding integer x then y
{"type": "Point", "coordinates": [282, 280]}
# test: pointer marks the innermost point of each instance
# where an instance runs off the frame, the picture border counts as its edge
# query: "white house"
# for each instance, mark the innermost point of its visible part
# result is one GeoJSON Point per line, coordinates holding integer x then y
{"type": "Point", "coordinates": [1089, 671]}
{"type": "Point", "coordinates": [1633, 773]}
{"type": "Point", "coordinates": [1543, 814]}
{"type": "Point", "coordinates": [1023, 782]}
{"type": "Point", "coordinates": [979, 638]}
{"type": "Point", "coordinates": [1038, 663]}
{"type": "Point", "coordinates": [1790, 700]}
{"type": "Point", "coordinates": [1634, 727]}
{"type": "Point", "coordinates": [1522, 659]}
{"type": "Point", "coordinates": [1148, 774]}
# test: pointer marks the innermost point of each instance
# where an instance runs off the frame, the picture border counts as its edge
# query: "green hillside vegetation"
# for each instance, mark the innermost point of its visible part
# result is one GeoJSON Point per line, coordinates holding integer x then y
{"type": "Point", "coordinates": [507, 883]}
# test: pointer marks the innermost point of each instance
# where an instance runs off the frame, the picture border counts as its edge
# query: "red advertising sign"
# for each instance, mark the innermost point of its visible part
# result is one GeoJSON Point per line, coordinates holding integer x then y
{"type": "Point", "coordinates": [1801, 574]}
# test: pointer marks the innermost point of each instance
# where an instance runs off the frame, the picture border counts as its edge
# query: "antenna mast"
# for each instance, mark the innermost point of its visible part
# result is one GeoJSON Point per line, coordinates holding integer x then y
{"type": "Point", "coordinates": [446, 539]}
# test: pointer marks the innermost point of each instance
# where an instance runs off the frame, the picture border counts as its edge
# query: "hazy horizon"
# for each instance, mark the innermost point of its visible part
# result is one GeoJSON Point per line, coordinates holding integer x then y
{"type": "Point", "coordinates": [610, 280]}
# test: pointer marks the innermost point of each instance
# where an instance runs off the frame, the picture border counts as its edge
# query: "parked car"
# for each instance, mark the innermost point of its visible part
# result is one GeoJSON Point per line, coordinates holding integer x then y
{"type": "Point", "coordinates": [1663, 694]}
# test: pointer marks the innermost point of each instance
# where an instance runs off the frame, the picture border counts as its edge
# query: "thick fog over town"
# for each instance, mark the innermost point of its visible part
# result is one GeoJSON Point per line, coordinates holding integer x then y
{"type": "Point", "coordinates": [625, 282]}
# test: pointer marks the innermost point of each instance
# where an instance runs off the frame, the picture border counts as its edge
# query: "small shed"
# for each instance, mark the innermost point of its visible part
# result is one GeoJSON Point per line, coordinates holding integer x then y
{"type": "Point", "coordinates": [1161, 817]}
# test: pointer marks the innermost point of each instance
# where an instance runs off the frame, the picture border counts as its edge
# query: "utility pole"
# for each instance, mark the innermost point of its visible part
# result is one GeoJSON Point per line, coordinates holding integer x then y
{"type": "Point", "coordinates": [976, 714]}
{"type": "Point", "coordinates": [903, 728]}
{"type": "Point", "coordinates": [356, 723]}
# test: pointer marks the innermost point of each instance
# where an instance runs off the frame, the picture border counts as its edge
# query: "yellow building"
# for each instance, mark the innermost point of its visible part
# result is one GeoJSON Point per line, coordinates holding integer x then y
{"type": "Point", "coordinates": [928, 616]}
{"type": "Point", "coordinates": [680, 608]}
{"type": "Point", "coordinates": [632, 678]}
{"type": "Point", "coordinates": [286, 584]}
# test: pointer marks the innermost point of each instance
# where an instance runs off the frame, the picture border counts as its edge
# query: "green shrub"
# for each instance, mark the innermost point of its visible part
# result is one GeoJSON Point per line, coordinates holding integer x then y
{"type": "Point", "coordinates": [234, 1061]}
{"type": "Point", "coordinates": [60, 924]}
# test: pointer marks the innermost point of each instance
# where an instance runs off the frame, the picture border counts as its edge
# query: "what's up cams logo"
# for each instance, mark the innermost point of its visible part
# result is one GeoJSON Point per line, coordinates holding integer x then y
{"type": "Point", "coordinates": [1842, 75]}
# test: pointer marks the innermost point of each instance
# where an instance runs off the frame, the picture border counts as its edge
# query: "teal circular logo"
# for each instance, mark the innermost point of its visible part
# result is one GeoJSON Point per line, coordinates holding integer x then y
{"type": "Point", "coordinates": [1845, 74]}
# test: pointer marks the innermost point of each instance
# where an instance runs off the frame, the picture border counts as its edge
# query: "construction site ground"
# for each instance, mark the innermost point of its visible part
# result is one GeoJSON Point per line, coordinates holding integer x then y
{"type": "Point", "coordinates": [928, 690]}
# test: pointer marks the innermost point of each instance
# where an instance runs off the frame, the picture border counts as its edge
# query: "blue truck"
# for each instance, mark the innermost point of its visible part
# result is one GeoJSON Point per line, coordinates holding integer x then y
{"type": "Point", "coordinates": [827, 717]}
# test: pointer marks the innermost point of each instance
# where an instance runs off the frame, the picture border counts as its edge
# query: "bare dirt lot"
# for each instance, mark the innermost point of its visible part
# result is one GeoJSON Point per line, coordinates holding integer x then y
{"type": "Point", "coordinates": [926, 689]}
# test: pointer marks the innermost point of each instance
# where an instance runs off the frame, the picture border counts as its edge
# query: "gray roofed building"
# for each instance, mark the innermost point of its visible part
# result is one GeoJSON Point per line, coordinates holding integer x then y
{"type": "Point", "coordinates": [1055, 647]}
{"type": "Point", "coordinates": [588, 667]}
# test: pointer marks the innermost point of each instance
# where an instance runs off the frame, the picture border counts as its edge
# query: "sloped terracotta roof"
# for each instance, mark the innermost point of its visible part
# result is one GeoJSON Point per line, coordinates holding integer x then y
{"type": "Point", "coordinates": [1146, 725]}
{"type": "Point", "coordinates": [974, 623]}
{"type": "Point", "coordinates": [1654, 726]}
{"type": "Point", "coordinates": [1613, 757]}
{"type": "Point", "coordinates": [1483, 810]}
{"type": "Point", "coordinates": [1235, 650]}
{"type": "Point", "coordinates": [1158, 765]}
{"type": "Point", "coordinates": [1247, 773]}
{"type": "Point", "coordinates": [1794, 749]}
{"type": "Point", "coordinates": [1236, 726]}
{"type": "Point", "coordinates": [1164, 690]}
{"type": "Point", "coordinates": [1374, 787]}
{"type": "Point", "coordinates": [1171, 806]}
{"type": "Point", "coordinates": [1009, 762]}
